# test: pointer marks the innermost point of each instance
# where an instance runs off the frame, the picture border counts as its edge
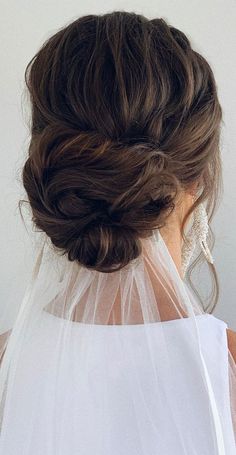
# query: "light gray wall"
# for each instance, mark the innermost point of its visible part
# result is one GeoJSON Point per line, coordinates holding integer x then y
{"type": "Point", "coordinates": [25, 24]}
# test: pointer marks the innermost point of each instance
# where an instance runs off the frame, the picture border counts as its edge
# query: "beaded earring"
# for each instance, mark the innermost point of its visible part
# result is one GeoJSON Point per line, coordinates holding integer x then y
{"type": "Point", "coordinates": [197, 233]}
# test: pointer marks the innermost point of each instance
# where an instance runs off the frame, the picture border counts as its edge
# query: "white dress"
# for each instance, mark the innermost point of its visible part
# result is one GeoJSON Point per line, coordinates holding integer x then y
{"type": "Point", "coordinates": [101, 416]}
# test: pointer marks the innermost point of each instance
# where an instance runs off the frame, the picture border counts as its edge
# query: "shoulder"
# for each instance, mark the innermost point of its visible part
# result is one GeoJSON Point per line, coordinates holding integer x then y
{"type": "Point", "coordinates": [231, 336]}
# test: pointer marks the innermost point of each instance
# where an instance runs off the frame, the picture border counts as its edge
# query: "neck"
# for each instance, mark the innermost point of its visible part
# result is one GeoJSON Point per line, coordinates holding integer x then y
{"type": "Point", "coordinates": [172, 237]}
{"type": "Point", "coordinates": [171, 232]}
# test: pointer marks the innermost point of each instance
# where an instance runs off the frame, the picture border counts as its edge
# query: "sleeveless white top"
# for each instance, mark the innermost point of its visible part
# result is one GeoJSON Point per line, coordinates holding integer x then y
{"type": "Point", "coordinates": [117, 430]}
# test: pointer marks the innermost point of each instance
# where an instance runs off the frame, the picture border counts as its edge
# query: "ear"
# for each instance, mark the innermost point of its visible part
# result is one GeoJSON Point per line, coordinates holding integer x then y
{"type": "Point", "coordinates": [193, 188]}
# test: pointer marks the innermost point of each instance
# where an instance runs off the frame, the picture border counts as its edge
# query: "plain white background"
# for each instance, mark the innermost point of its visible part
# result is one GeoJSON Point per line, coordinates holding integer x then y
{"type": "Point", "coordinates": [25, 24]}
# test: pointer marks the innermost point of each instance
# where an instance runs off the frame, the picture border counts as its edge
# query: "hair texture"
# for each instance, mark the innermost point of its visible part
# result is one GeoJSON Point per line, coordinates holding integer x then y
{"type": "Point", "coordinates": [125, 115]}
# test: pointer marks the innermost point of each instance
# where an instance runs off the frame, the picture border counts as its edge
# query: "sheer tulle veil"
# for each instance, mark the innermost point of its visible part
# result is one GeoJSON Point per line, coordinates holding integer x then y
{"type": "Point", "coordinates": [146, 294]}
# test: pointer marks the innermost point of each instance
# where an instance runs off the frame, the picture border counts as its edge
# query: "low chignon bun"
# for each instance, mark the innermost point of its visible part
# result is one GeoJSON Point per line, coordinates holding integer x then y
{"type": "Point", "coordinates": [96, 198]}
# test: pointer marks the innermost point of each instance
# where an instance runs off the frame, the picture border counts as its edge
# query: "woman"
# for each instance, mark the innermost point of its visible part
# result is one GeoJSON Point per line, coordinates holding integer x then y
{"type": "Point", "coordinates": [112, 352]}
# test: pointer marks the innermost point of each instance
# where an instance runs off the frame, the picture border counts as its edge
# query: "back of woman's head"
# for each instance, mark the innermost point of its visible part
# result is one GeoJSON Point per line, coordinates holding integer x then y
{"type": "Point", "coordinates": [125, 115]}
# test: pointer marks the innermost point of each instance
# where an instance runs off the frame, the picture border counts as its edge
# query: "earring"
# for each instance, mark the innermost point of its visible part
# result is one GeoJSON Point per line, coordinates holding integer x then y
{"type": "Point", "coordinates": [197, 233]}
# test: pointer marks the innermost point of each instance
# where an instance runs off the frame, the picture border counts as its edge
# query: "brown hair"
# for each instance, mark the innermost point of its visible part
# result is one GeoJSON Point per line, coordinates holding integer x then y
{"type": "Point", "coordinates": [125, 114]}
